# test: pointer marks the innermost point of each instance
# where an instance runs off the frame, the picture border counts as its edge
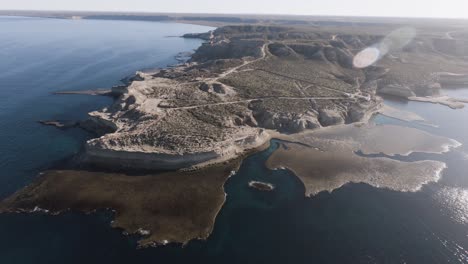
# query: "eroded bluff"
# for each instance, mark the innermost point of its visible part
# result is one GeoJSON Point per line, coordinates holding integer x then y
{"type": "Point", "coordinates": [245, 81]}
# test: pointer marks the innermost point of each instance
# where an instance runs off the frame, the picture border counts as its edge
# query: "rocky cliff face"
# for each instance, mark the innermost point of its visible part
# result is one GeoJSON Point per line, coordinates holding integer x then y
{"type": "Point", "coordinates": [244, 82]}
{"type": "Point", "coordinates": [159, 123]}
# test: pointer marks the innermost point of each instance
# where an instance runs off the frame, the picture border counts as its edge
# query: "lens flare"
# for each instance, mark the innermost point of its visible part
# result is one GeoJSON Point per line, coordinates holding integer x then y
{"type": "Point", "coordinates": [398, 39]}
{"type": "Point", "coordinates": [395, 41]}
{"type": "Point", "coordinates": [366, 57]}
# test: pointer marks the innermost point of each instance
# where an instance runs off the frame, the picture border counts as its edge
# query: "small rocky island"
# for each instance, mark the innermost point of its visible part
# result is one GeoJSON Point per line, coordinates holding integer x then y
{"type": "Point", "coordinates": [261, 186]}
{"type": "Point", "coordinates": [246, 85]}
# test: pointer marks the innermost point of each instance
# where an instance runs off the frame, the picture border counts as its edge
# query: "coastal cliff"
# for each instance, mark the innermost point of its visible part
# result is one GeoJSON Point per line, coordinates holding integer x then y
{"type": "Point", "coordinates": [246, 85]}
{"type": "Point", "coordinates": [248, 79]}
{"type": "Point", "coordinates": [244, 81]}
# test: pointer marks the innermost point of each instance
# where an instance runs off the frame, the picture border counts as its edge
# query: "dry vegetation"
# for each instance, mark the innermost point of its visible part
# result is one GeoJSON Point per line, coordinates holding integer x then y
{"type": "Point", "coordinates": [166, 207]}
{"type": "Point", "coordinates": [216, 107]}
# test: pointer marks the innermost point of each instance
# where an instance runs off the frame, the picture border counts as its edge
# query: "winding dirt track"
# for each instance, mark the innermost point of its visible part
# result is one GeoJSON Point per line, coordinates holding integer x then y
{"type": "Point", "coordinates": [297, 83]}
{"type": "Point", "coordinates": [258, 99]}
{"type": "Point", "coordinates": [235, 69]}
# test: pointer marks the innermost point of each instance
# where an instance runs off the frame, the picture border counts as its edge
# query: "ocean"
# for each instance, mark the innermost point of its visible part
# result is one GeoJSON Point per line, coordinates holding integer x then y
{"type": "Point", "coordinates": [354, 224]}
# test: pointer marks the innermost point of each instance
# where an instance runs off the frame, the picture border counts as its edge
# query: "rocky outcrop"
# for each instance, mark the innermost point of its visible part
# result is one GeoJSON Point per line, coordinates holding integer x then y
{"type": "Point", "coordinates": [281, 50]}
{"type": "Point", "coordinates": [62, 124]}
{"type": "Point", "coordinates": [432, 89]}
{"type": "Point", "coordinates": [204, 36]}
{"type": "Point", "coordinates": [364, 111]}
{"type": "Point", "coordinates": [374, 73]}
{"type": "Point", "coordinates": [330, 117]}
{"type": "Point", "coordinates": [447, 78]}
{"type": "Point", "coordinates": [222, 103]}
{"type": "Point", "coordinates": [337, 54]}
{"type": "Point", "coordinates": [340, 56]}
{"type": "Point", "coordinates": [286, 122]}
{"type": "Point", "coordinates": [261, 186]}
{"type": "Point", "coordinates": [228, 49]}
{"type": "Point", "coordinates": [124, 159]}
{"type": "Point", "coordinates": [397, 90]}
{"type": "Point", "coordinates": [308, 51]}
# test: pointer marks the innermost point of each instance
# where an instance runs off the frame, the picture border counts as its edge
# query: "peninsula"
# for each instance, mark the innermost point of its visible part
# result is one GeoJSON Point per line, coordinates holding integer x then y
{"type": "Point", "coordinates": [249, 79]}
{"type": "Point", "coordinates": [248, 83]}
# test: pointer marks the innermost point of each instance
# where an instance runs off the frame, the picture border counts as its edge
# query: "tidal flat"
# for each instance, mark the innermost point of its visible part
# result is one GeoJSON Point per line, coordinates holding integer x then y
{"type": "Point", "coordinates": [327, 159]}
{"type": "Point", "coordinates": [371, 139]}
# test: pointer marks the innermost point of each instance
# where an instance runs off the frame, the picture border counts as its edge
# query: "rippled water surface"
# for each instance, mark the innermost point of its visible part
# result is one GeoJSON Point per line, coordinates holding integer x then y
{"type": "Point", "coordinates": [39, 56]}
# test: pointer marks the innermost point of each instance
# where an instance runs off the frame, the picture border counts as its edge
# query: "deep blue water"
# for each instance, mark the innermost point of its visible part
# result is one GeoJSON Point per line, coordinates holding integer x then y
{"type": "Point", "coordinates": [354, 224]}
{"type": "Point", "coordinates": [39, 56]}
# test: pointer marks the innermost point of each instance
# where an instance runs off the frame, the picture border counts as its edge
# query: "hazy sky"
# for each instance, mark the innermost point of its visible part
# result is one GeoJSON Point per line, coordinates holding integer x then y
{"type": "Point", "coordinates": [416, 8]}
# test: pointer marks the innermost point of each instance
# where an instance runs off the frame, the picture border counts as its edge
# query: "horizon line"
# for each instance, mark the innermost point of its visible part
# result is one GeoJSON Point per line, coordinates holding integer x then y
{"type": "Point", "coordinates": [240, 14]}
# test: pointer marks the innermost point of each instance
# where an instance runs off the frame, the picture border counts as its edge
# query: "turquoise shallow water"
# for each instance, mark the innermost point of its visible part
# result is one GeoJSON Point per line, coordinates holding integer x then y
{"type": "Point", "coordinates": [354, 224]}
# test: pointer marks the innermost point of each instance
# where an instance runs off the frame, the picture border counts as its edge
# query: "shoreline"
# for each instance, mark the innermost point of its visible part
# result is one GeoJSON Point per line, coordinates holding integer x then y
{"type": "Point", "coordinates": [228, 101]}
{"type": "Point", "coordinates": [159, 159]}
{"type": "Point", "coordinates": [114, 149]}
{"type": "Point", "coordinates": [136, 204]}
{"type": "Point", "coordinates": [314, 168]}
{"type": "Point", "coordinates": [117, 91]}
